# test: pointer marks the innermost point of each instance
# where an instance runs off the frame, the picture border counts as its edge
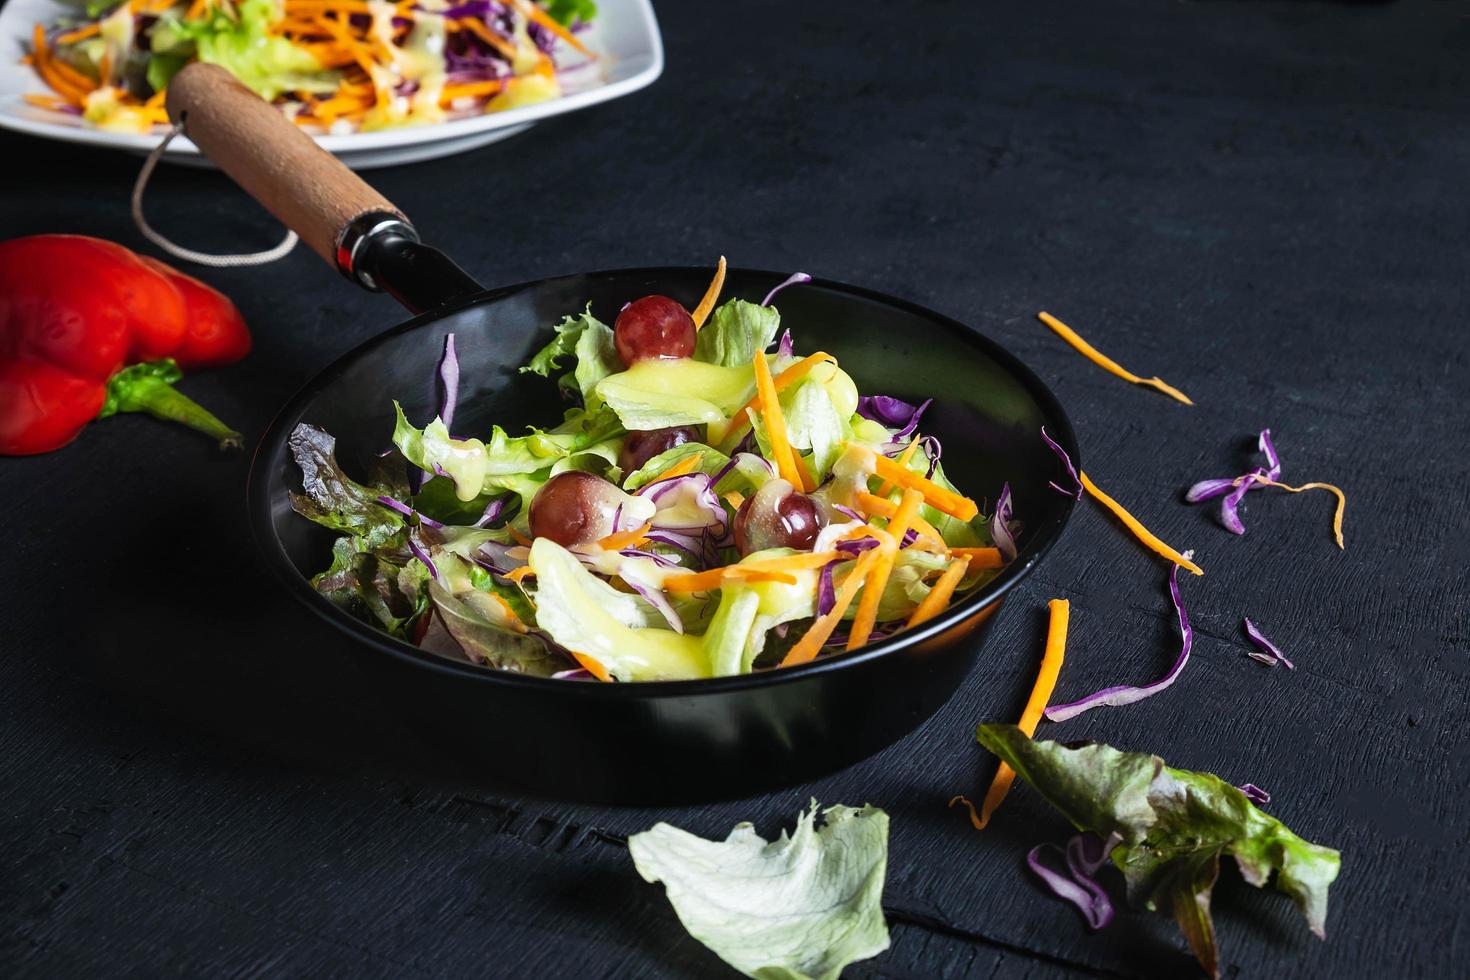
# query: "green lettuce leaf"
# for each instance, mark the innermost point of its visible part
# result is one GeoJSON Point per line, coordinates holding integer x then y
{"type": "Point", "coordinates": [1175, 826]}
{"type": "Point", "coordinates": [813, 425]}
{"type": "Point", "coordinates": [711, 462]}
{"type": "Point", "coordinates": [333, 499]}
{"type": "Point", "coordinates": [465, 605]}
{"type": "Point", "coordinates": [748, 611]}
{"type": "Point", "coordinates": [243, 45]}
{"type": "Point", "coordinates": [587, 339]}
{"type": "Point", "coordinates": [735, 332]}
{"type": "Point", "coordinates": [569, 12]}
{"type": "Point", "coordinates": [797, 908]}
{"type": "Point", "coordinates": [656, 394]}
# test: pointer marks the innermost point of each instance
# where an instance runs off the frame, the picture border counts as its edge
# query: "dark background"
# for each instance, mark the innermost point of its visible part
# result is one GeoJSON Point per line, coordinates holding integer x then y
{"type": "Point", "coordinates": [1264, 203]}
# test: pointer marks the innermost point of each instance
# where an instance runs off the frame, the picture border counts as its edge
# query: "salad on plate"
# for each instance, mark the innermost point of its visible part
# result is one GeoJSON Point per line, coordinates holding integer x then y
{"type": "Point", "coordinates": [333, 66]}
{"type": "Point", "coordinates": [713, 503]}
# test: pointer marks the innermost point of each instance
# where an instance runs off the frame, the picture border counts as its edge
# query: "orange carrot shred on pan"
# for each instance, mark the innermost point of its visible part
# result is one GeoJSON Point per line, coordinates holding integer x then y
{"type": "Point", "coordinates": [938, 598]}
{"type": "Point", "coordinates": [1335, 491]}
{"type": "Point", "coordinates": [807, 648]}
{"type": "Point", "coordinates": [711, 295]}
{"type": "Point", "coordinates": [1107, 363]}
{"type": "Point", "coordinates": [886, 487]}
{"type": "Point", "coordinates": [945, 501]}
{"type": "Point", "coordinates": [1143, 534]}
{"type": "Point", "coordinates": [519, 574]}
{"type": "Point", "coordinates": [1046, 682]}
{"type": "Point", "coordinates": [986, 558]}
{"type": "Point", "coordinates": [889, 544]}
{"type": "Point", "coordinates": [770, 408]}
{"type": "Point", "coordinates": [623, 539]}
{"type": "Point", "coordinates": [591, 666]}
{"type": "Point", "coordinates": [782, 381]}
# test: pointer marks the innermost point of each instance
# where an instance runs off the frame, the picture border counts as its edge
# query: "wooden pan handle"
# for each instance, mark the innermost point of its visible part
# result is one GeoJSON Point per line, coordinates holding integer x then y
{"type": "Point", "coordinates": [307, 188]}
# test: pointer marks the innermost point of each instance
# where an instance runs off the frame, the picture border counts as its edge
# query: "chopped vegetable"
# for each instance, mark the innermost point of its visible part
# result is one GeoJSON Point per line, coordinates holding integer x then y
{"type": "Point", "coordinates": [1066, 463]}
{"type": "Point", "coordinates": [801, 907]}
{"type": "Point", "coordinates": [795, 279]}
{"type": "Point", "coordinates": [938, 598]}
{"type": "Point", "coordinates": [711, 295]}
{"type": "Point", "coordinates": [1106, 363]}
{"type": "Point", "coordinates": [1268, 653]}
{"type": "Point", "coordinates": [1046, 682]}
{"type": "Point", "coordinates": [1084, 855]}
{"type": "Point", "coordinates": [1126, 694]}
{"type": "Point", "coordinates": [941, 499]}
{"type": "Point", "coordinates": [1143, 534]}
{"type": "Point", "coordinates": [1254, 793]}
{"type": "Point", "coordinates": [807, 648]}
{"type": "Point", "coordinates": [1173, 827]}
{"type": "Point", "coordinates": [1234, 490]}
{"type": "Point", "coordinates": [770, 410]}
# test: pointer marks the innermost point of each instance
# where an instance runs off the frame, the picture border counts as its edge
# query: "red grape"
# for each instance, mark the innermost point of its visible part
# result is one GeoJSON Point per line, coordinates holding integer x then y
{"type": "Point", "coordinates": [640, 447]}
{"type": "Point", "coordinates": [776, 516]}
{"type": "Point", "coordinates": [574, 508]}
{"type": "Point", "coordinates": [651, 328]}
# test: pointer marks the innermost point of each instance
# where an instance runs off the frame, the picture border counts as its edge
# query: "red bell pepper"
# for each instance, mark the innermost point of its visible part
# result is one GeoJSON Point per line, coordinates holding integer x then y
{"type": "Point", "coordinates": [87, 328]}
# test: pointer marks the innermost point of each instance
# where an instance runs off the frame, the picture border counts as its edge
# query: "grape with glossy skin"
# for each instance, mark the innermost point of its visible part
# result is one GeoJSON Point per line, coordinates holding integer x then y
{"type": "Point", "coordinates": [574, 508]}
{"type": "Point", "coordinates": [653, 328]}
{"type": "Point", "coordinates": [642, 446]}
{"type": "Point", "coordinates": [776, 516]}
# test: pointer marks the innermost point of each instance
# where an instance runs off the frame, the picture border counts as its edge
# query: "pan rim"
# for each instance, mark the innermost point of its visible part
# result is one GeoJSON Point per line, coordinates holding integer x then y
{"type": "Point", "coordinates": [273, 443]}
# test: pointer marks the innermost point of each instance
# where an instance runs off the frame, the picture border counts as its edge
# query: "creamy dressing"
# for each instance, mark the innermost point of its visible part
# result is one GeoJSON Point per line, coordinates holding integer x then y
{"type": "Point", "coordinates": [419, 59]}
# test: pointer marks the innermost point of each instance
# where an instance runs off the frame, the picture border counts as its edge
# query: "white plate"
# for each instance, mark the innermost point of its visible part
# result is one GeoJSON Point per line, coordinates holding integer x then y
{"type": "Point", "coordinates": [624, 35]}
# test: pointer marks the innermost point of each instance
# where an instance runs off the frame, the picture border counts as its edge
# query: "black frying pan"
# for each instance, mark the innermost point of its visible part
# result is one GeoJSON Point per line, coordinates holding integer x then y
{"type": "Point", "coordinates": [642, 742]}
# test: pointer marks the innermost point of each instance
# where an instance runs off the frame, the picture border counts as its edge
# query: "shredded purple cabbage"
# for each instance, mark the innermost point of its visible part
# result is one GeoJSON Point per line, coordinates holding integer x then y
{"type": "Point", "coordinates": [786, 348]}
{"type": "Point", "coordinates": [857, 546]}
{"type": "Point", "coordinates": [657, 599]}
{"type": "Point", "coordinates": [408, 511]}
{"type": "Point", "coordinates": [707, 502]}
{"type": "Point", "coordinates": [423, 556]}
{"type": "Point", "coordinates": [933, 450]}
{"type": "Point", "coordinates": [1269, 653]}
{"type": "Point", "coordinates": [1066, 462]}
{"type": "Point", "coordinates": [1117, 697]}
{"type": "Point", "coordinates": [1000, 525]}
{"type": "Point", "coordinates": [1255, 794]}
{"type": "Point", "coordinates": [893, 413]}
{"type": "Point", "coordinates": [826, 591]}
{"type": "Point", "coordinates": [796, 278]}
{"type": "Point", "coordinates": [1234, 490]}
{"type": "Point", "coordinates": [1085, 854]}
{"type": "Point", "coordinates": [493, 510]}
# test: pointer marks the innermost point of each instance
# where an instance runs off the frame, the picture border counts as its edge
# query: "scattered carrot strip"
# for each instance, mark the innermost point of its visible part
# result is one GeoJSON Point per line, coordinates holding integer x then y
{"type": "Point", "coordinates": [945, 501]}
{"type": "Point", "coordinates": [886, 487]}
{"type": "Point", "coordinates": [807, 648]}
{"type": "Point", "coordinates": [938, 598]}
{"type": "Point", "coordinates": [782, 381]}
{"type": "Point", "coordinates": [986, 558]}
{"type": "Point", "coordinates": [1106, 363]}
{"type": "Point", "coordinates": [518, 574]}
{"type": "Point", "coordinates": [715, 577]}
{"type": "Point", "coordinates": [1142, 533]}
{"type": "Point", "coordinates": [711, 295]}
{"type": "Point", "coordinates": [533, 12]}
{"type": "Point", "coordinates": [770, 408]}
{"type": "Point", "coordinates": [1335, 491]}
{"type": "Point", "coordinates": [591, 666]}
{"type": "Point", "coordinates": [867, 611]}
{"type": "Point", "coordinates": [623, 539]}
{"type": "Point", "coordinates": [520, 538]}
{"type": "Point", "coordinates": [1046, 682]}
{"type": "Point", "coordinates": [883, 507]}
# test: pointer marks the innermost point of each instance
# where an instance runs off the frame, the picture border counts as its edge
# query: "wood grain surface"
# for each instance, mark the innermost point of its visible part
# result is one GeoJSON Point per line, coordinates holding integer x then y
{"type": "Point", "coordinates": [1263, 203]}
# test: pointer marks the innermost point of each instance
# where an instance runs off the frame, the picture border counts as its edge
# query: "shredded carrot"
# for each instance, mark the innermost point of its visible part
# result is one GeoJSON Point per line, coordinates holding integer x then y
{"type": "Point", "coordinates": [623, 539]}
{"type": "Point", "coordinates": [980, 557]}
{"type": "Point", "coordinates": [1106, 363]}
{"type": "Point", "coordinates": [715, 577]}
{"type": "Point", "coordinates": [1143, 534]}
{"type": "Point", "coordinates": [886, 487]}
{"type": "Point", "coordinates": [683, 467]}
{"type": "Point", "coordinates": [484, 33]}
{"type": "Point", "coordinates": [883, 507]}
{"type": "Point", "coordinates": [939, 596]}
{"type": "Point", "coordinates": [1337, 514]}
{"type": "Point", "coordinates": [867, 611]}
{"type": "Point", "coordinates": [792, 563]}
{"type": "Point", "coordinates": [734, 498]}
{"type": "Point", "coordinates": [476, 90]}
{"type": "Point", "coordinates": [770, 408]}
{"type": "Point", "coordinates": [1046, 682]}
{"type": "Point", "coordinates": [517, 575]}
{"type": "Point", "coordinates": [591, 666]}
{"type": "Point", "coordinates": [782, 381]}
{"type": "Point", "coordinates": [80, 34]}
{"type": "Point", "coordinates": [533, 12]}
{"type": "Point", "coordinates": [711, 295]}
{"type": "Point", "coordinates": [807, 648]}
{"type": "Point", "coordinates": [945, 501]}
{"type": "Point", "coordinates": [520, 538]}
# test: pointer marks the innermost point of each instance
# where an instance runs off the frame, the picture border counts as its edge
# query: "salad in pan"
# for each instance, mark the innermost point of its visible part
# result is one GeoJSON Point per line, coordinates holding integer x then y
{"type": "Point", "coordinates": [334, 66]}
{"type": "Point", "coordinates": [708, 506]}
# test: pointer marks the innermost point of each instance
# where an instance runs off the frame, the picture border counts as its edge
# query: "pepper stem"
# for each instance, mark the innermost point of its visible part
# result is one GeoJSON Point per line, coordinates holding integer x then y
{"type": "Point", "coordinates": [149, 388]}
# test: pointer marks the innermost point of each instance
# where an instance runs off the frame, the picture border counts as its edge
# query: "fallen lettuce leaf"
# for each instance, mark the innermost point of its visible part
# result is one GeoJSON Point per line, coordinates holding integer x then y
{"type": "Point", "coordinates": [735, 332]}
{"type": "Point", "coordinates": [1174, 827]}
{"type": "Point", "coordinates": [801, 907]}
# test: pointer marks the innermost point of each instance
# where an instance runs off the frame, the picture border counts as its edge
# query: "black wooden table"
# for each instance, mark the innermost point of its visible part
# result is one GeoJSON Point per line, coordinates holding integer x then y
{"type": "Point", "coordinates": [1263, 203]}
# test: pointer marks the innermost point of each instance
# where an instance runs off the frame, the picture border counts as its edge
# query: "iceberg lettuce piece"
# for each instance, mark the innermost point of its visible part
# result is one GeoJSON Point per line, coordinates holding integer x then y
{"type": "Point", "coordinates": [656, 394]}
{"type": "Point", "coordinates": [243, 45]}
{"type": "Point", "coordinates": [803, 906]}
{"type": "Point", "coordinates": [750, 610]}
{"type": "Point", "coordinates": [735, 332]}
